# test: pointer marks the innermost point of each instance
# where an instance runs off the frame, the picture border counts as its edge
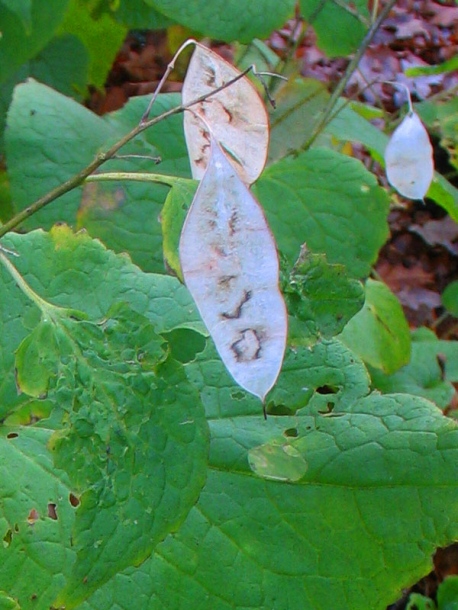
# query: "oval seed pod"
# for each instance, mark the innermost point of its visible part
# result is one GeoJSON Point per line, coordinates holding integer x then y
{"type": "Point", "coordinates": [230, 266]}
{"type": "Point", "coordinates": [409, 158]}
{"type": "Point", "coordinates": [236, 115]}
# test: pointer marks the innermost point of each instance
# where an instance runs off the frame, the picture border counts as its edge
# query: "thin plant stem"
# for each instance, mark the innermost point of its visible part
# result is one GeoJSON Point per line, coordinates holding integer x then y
{"type": "Point", "coordinates": [80, 177]}
{"type": "Point", "coordinates": [352, 66]}
{"type": "Point", "coordinates": [135, 177]}
{"type": "Point", "coordinates": [165, 76]}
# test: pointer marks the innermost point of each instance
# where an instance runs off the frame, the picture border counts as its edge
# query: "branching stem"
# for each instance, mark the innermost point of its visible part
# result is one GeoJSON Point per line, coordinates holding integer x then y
{"type": "Point", "coordinates": [352, 66]}
{"type": "Point", "coordinates": [80, 177]}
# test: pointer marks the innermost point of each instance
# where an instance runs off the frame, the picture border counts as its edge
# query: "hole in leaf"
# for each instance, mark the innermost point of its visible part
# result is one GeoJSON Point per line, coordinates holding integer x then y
{"type": "Point", "coordinates": [237, 395]}
{"type": "Point", "coordinates": [52, 513]}
{"type": "Point", "coordinates": [74, 501]}
{"type": "Point", "coordinates": [185, 344]}
{"type": "Point", "coordinates": [12, 435]}
{"type": "Point", "coordinates": [33, 516]}
{"type": "Point", "coordinates": [327, 389]}
{"type": "Point", "coordinates": [273, 409]}
{"type": "Point", "coordinates": [291, 432]}
{"type": "Point", "coordinates": [8, 538]}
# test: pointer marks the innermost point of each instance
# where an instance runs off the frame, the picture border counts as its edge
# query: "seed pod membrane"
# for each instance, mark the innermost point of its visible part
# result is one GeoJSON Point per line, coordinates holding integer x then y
{"type": "Point", "coordinates": [230, 266]}
{"type": "Point", "coordinates": [409, 158]}
{"type": "Point", "coordinates": [236, 116]}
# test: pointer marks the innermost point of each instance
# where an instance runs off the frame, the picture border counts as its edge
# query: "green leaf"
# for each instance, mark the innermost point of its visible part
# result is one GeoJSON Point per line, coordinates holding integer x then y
{"type": "Point", "coordinates": [347, 30]}
{"type": "Point", "coordinates": [299, 103]}
{"type": "Point", "coordinates": [443, 119]}
{"type": "Point", "coordinates": [173, 216]}
{"type": "Point", "coordinates": [76, 271]}
{"type": "Point", "coordinates": [137, 451]}
{"type": "Point", "coordinates": [8, 603]}
{"type": "Point", "coordinates": [322, 295]}
{"type": "Point", "coordinates": [450, 298]}
{"type": "Point", "coordinates": [420, 602]}
{"type": "Point", "coordinates": [51, 128]}
{"type": "Point", "coordinates": [447, 66]}
{"type": "Point", "coordinates": [328, 201]}
{"type": "Point", "coordinates": [36, 519]}
{"type": "Point", "coordinates": [334, 376]}
{"type": "Point", "coordinates": [370, 503]}
{"type": "Point", "coordinates": [185, 344]}
{"type": "Point", "coordinates": [26, 29]}
{"type": "Point", "coordinates": [102, 37]}
{"type": "Point", "coordinates": [126, 215]}
{"type": "Point", "coordinates": [22, 9]}
{"type": "Point", "coordinates": [229, 19]}
{"type": "Point", "coordinates": [445, 352]}
{"type": "Point", "coordinates": [35, 360]}
{"type": "Point", "coordinates": [423, 376]}
{"type": "Point", "coordinates": [136, 14]}
{"type": "Point", "coordinates": [447, 594]}
{"type": "Point", "coordinates": [130, 430]}
{"type": "Point", "coordinates": [379, 333]}
{"type": "Point", "coordinates": [62, 65]}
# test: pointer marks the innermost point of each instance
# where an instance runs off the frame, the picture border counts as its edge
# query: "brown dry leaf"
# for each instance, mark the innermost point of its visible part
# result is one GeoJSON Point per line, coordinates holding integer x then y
{"type": "Point", "coordinates": [442, 232]}
{"type": "Point", "coordinates": [236, 116]}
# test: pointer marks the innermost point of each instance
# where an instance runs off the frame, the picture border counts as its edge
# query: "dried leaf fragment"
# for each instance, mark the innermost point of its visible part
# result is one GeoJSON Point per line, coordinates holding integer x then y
{"type": "Point", "coordinates": [230, 266]}
{"type": "Point", "coordinates": [409, 158]}
{"type": "Point", "coordinates": [236, 115]}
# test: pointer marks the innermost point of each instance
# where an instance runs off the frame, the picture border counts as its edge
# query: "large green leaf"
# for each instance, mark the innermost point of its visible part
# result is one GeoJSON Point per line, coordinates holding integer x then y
{"type": "Point", "coordinates": [299, 103]}
{"type": "Point", "coordinates": [130, 429]}
{"type": "Point", "coordinates": [60, 137]}
{"type": "Point", "coordinates": [173, 216]}
{"type": "Point", "coordinates": [379, 333]}
{"type": "Point", "coordinates": [126, 215]}
{"type": "Point", "coordinates": [62, 64]}
{"type": "Point", "coordinates": [422, 376]}
{"type": "Point", "coordinates": [339, 31]}
{"type": "Point", "coordinates": [321, 296]}
{"type": "Point", "coordinates": [361, 523]}
{"type": "Point", "coordinates": [26, 28]}
{"type": "Point", "coordinates": [328, 201]}
{"type": "Point", "coordinates": [36, 519]}
{"type": "Point", "coordinates": [136, 14]}
{"type": "Point", "coordinates": [228, 19]}
{"type": "Point", "coordinates": [101, 35]}
{"type": "Point", "coordinates": [75, 271]}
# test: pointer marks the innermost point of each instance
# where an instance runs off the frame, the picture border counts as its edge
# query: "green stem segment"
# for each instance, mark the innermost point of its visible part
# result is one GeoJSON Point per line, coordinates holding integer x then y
{"type": "Point", "coordinates": [352, 66]}
{"type": "Point", "coordinates": [136, 177]}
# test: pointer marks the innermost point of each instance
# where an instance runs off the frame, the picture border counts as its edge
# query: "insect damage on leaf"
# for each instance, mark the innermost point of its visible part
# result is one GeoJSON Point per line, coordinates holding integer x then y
{"type": "Point", "coordinates": [236, 116]}
{"type": "Point", "coordinates": [409, 158]}
{"type": "Point", "coordinates": [230, 266]}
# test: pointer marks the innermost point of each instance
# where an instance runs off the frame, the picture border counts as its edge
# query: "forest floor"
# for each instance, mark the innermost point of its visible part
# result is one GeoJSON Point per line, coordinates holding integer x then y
{"type": "Point", "coordinates": [421, 256]}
